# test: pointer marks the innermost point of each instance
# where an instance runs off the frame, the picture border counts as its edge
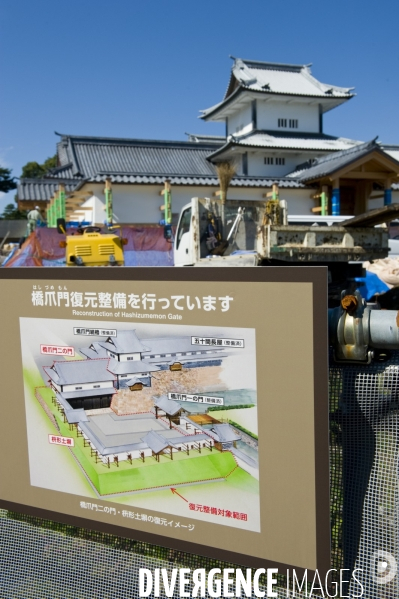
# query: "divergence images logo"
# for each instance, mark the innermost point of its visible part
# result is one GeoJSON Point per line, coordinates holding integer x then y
{"type": "Point", "coordinates": [384, 567]}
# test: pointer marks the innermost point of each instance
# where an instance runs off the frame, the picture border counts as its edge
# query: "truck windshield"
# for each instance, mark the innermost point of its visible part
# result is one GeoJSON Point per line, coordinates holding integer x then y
{"type": "Point", "coordinates": [184, 225]}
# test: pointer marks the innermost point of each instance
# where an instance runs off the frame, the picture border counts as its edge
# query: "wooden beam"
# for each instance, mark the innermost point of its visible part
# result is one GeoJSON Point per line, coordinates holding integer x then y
{"type": "Point", "coordinates": [316, 209]}
{"type": "Point", "coordinates": [367, 175]}
{"type": "Point", "coordinates": [77, 196]}
{"type": "Point", "coordinates": [384, 161]}
{"type": "Point", "coordinates": [71, 204]}
{"type": "Point", "coordinates": [83, 194]}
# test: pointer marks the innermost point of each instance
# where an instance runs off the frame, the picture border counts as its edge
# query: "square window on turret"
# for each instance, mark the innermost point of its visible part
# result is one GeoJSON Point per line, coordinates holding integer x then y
{"type": "Point", "coordinates": [282, 122]}
{"type": "Point", "coordinates": [280, 161]}
{"type": "Point", "coordinates": [269, 160]}
{"type": "Point", "coordinates": [293, 123]}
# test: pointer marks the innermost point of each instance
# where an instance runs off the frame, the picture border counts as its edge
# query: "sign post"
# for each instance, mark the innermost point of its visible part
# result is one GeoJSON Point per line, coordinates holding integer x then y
{"type": "Point", "coordinates": [193, 403]}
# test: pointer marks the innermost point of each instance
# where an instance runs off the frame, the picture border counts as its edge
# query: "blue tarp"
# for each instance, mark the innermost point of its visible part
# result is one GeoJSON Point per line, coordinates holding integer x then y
{"type": "Point", "coordinates": [370, 285]}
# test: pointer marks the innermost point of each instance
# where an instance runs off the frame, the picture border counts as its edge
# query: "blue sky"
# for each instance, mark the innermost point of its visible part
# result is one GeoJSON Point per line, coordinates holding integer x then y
{"type": "Point", "coordinates": [143, 69]}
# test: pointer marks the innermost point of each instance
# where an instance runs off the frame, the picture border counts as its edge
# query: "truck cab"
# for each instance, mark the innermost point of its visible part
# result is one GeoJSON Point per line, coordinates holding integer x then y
{"type": "Point", "coordinates": [183, 249]}
{"type": "Point", "coordinates": [206, 226]}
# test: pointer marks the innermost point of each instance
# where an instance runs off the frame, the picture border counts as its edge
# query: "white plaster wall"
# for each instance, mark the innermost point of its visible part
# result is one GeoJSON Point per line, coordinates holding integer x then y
{"type": "Point", "coordinates": [127, 375]}
{"type": "Point", "coordinates": [241, 120]}
{"type": "Point", "coordinates": [269, 112]}
{"type": "Point", "coordinates": [92, 210]}
{"type": "Point", "coordinates": [124, 357]}
{"type": "Point", "coordinates": [123, 456]}
{"type": "Point", "coordinates": [373, 204]}
{"type": "Point", "coordinates": [87, 386]}
{"type": "Point", "coordinates": [139, 204]}
{"type": "Point", "coordinates": [258, 168]}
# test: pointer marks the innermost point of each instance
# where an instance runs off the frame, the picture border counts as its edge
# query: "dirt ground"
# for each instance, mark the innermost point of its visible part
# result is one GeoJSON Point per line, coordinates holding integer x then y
{"type": "Point", "coordinates": [189, 380]}
{"type": "Point", "coordinates": [203, 419]}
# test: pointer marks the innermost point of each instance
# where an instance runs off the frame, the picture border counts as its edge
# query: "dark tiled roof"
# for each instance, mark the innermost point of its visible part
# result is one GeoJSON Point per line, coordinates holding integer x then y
{"type": "Point", "coordinates": [93, 159]}
{"type": "Point", "coordinates": [90, 156]}
{"type": "Point", "coordinates": [43, 189]}
{"type": "Point", "coordinates": [62, 172]}
{"type": "Point", "coordinates": [333, 162]}
{"type": "Point", "coordinates": [211, 181]}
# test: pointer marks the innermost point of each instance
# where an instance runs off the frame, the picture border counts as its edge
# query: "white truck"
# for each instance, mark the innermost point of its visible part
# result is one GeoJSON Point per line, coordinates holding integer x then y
{"type": "Point", "coordinates": [253, 233]}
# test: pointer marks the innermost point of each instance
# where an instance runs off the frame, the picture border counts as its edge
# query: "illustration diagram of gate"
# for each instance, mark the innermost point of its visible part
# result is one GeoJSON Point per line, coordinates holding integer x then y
{"type": "Point", "coordinates": [42, 559]}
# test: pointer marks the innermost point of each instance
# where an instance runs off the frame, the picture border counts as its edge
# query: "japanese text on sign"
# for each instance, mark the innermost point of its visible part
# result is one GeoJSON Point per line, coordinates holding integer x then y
{"type": "Point", "coordinates": [98, 332]}
{"type": "Point", "coordinates": [197, 398]}
{"type": "Point", "coordinates": [57, 350]}
{"type": "Point", "coordinates": [217, 341]}
{"type": "Point", "coordinates": [85, 505]}
{"type": "Point", "coordinates": [51, 297]}
{"type": "Point", "coordinates": [57, 440]}
{"type": "Point", "coordinates": [156, 520]}
{"type": "Point", "coordinates": [215, 511]}
{"type": "Point", "coordinates": [135, 515]}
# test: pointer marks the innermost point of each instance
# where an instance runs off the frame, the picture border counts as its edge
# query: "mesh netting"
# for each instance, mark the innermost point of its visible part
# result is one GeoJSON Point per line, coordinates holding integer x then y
{"type": "Point", "coordinates": [46, 560]}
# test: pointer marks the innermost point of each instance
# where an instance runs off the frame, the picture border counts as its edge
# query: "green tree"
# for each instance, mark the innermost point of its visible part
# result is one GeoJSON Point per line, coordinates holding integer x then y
{"type": "Point", "coordinates": [6, 181]}
{"type": "Point", "coordinates": [11, 212]}
{"type": "Point", "coordinates": [34, 170]}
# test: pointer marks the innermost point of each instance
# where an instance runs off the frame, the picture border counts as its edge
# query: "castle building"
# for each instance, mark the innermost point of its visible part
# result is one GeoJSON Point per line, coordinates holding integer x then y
{"type": "Point", "coordinates": [274, 133]}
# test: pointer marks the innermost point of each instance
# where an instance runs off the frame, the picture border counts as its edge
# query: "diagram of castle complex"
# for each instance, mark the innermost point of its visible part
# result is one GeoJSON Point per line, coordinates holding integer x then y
{"type": "Point", "coordinates": [146, 409]}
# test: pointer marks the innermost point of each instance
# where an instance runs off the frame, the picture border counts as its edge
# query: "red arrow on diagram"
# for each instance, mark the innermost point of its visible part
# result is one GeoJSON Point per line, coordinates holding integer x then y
{"type": "Point", "coordinates": [175, 492]}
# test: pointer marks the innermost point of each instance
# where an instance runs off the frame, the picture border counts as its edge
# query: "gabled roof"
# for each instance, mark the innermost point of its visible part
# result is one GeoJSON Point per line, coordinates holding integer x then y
{"type": "Point", "coordinates": [134, 380]}
{"type": "Point", "coordinates": [156, 442]}
{"type": "Point", "coordinates": [287, 141]}
{"type": "Point", "coordinates": [94, 351]}
{"type": "Point", "coordinates": [125, 342]}
{"type": "Point", "coordinates": [80, 372]}
{"type": "Point", "coordinates": [333, 162]}
{"type": "Point", "coordinates": [225, 433]}
{"type": "Point", "coordinates": [66, 171]}
{"type": "Point", "coordinates": [169, 406]}
{"type": "Point", "coordinates": [91, 156]}
{"type": "Point", "coordinates": [256, 77]}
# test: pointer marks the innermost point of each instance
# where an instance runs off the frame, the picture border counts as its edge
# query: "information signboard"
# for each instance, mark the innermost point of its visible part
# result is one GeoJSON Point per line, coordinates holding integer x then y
{"type": "Point", "coordinates": [184, 407]}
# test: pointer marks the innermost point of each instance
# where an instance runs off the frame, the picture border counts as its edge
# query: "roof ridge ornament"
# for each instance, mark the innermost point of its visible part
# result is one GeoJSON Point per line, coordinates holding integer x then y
{"type": "Point", "coordinates": [242, 73]}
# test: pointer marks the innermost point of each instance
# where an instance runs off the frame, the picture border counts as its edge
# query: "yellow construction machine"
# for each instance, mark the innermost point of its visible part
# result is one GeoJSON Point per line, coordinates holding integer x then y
{"type": "Point", "coordinates": [90, 246]}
